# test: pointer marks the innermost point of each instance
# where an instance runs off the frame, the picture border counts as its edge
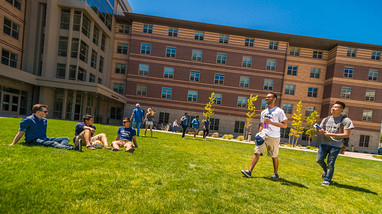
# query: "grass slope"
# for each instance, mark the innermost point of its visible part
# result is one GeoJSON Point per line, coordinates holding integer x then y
{"type": "Point", "coordinates": [170, 175]}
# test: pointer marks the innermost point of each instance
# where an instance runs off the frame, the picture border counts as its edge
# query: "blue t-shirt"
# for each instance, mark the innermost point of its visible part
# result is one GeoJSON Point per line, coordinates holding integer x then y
{"type": "Point", "coordinates": [80, 128]}
{"type": "Point", "coordinates": [126, 133]}
{"type": "Point", "coordinates": [195, 123]}
{"type": "Point", "coordinates": [34, 128]}
{"type": "Point", "coordinates": [206, 123]}
{"type": "Point", "coordinates": [185, 122]}
{"type": "Point", "coordinates": [138, 114]}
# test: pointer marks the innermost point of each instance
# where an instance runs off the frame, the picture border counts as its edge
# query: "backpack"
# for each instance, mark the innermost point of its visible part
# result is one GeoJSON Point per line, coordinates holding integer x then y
{"type": "Point", "coordinates": [345, 140]}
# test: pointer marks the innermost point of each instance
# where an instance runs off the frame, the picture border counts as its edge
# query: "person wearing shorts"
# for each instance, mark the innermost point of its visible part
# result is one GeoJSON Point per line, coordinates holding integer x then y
{"type": "Point", "coordinates": [84, 133]}
{"type": "Point", "coordinates": [149, 121]}
{"type": "Point", "coordinates": [125, 137]}
{"type": "Point", "coordinates": [272, 119]}
{"type": "Point", "coordinates": [195, 126]}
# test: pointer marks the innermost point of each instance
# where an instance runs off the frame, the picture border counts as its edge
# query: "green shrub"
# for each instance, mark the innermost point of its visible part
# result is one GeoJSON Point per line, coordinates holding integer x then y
{"type": "Point", "coordinates": [189, 133]}
{"type": "Point", "coordinates": [230, 137]}
{"type": "Point", "coordinates": [215, 135]}
{"type": "Point", "coordinates": [225, 136]}
{"type": "Point", "coordinates": [240, 138]}
{"type": "Point", "coordinates": [200, 133]}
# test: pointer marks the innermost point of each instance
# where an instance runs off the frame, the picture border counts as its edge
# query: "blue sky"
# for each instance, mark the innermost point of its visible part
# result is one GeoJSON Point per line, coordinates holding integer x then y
{"type": "Point", "coordinates": [347, 20]}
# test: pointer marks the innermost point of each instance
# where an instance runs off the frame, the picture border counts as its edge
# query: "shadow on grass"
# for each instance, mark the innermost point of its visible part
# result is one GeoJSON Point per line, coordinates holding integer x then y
{"type": "Point", "coordinates": [286, 182]}
{"type": "Point", "coordinates": [360, 189]}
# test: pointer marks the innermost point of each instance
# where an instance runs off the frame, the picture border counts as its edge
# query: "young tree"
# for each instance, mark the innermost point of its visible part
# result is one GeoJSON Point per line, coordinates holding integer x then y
{"type": "Point", "coordinates": [209, 110]}
{"type": "Point", "coordinates": [310, 121]}
{"type": "Point", "coordinates": [251, 114]}
{"type": "Point", "coordinates": [298, 128]}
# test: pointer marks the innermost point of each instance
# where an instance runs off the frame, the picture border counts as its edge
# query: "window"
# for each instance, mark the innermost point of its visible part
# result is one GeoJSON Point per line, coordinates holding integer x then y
{"type": "Point", "coordinates": [376, 55]}
{"type": "Point", "coordinates": [163, 118]}
{"type": "Point", "coordinates": [122, 48]}
{"type": "Point", "coordinates": [84, 49]}
{"type": "Point", "coordinates": [95, 35]}
{"type": "Point", "coordinates": [119, 88]}
{"type": "Point", "coordinates": [116, 113]}
{"type": "Point", "coordinates": [192, 96]}
{"type": "Point", "coordinates": [348, 72]}
{"type": "Point", "coordinates": [141, 90]}
{"type": "Point", "coordinates": [244, 82]}
{"type": "Point", "coordinates": [196, 55]}
{"type": "Point", "coordinates": [273, 45]}
{"type": "Point", "coordinates": [294, 51]}
{"type": "Point", "coordinates": [284, 132]}
{"type": "Point", "coordinates": [268, 85]}
{"type": "Point", "coordinates": [145, 48]}
{"type": "Point", "coordinates": [92, 77]}
{"type": "Point", "coordinates": [370, 95]}
{"type": "Point", "coordinates": [292, 70]}
{"type": "Point", "coordinates": [9, 58]}
{"type": "Point", "coordinates": [221, 58]}
{"type": "Point", "coordinates": [218, 99]}
{"type": "Point", "coordinates": [99, 80]}
{"type": "Point", "coordinates": [61, 70]}
{"type": "Point", "coordinates": [214, 124]}
{"type": "Point", "coordinates": [168, 72]}
{"type": "Point", "coordinates": [289, 89]}
{"type": "Point", "coordinates": [11, 28]}
{"type": "Point", "coordinates": [312, 92]}
{"type": "Point", "coordinates": [81, 76]}
{"type": "Point", "coordinates": [15, 3]}
{"type": "Point", "coordinates": [263, 104]}
{"type": "Point", "coordinates": [373, 75]}
{"type": "Point", "coordinates": [101, 60]}
{"type": "Point", "coordinates": [271, 64]}
{"type": "Point", "coordinates": [317, 54]}
{"type": "Point", "coordinates": [242, 102]}
{"type": "Point", "coordinates": [120, 68]}
{"type": "Point", "coordinates": [239, 127]}
{"type": "Point", "coordinates": [345, 92]}
{"type": "Point", "coordinates": [367, 115]}
{"type": "Point", "coordinates": [86, 26]}
{"type": "Point", "coordinates": [219, 79]}
{"type": "Point", "coordinates": [352, 52]}
{"type": "Point", "coordinates": [287, 108]}
{"type": "Point", "coordinates": [247, 61]}
{"type": "Point", "coordinates": [364, 141]}
{"type": "Point", "coordinates": [143, 69]}
{"type": "Point", "coordinates": [249, 42]}
{"type": "Point", "coordinates": [93, 59]}
{"type": "Point", "coordinates": [103, 42]}
{"type": "Point", "coordinates": [65, 19]}
{"type": "Point", "coordinates": [125, 29]}
{"type": "Point", "coordinates": [223, 38]}
{"type": "Point", "coordinates": [74, 49]}
{"type": "Point", "coordinates": [77, 20]}
{"type": "Point", "coordinates": [62, 46]}
{"type": "Point", "coordinates": [315, 73]}
{"type": "Point", "coordinates": [173, 32]}
{"type": "Point", "coordinates": [170, 51]}
{"type": "Point", "coordinates": [166, 93]}
{"type": "Point", "coordinates": [194, 76]}
{"type": "Point", "coordinates": [309, 110]}
{"type": "Point", "coordinates": [199, 35]}
{"type": "Point", "coordinates": [72, 72]}
{"type": "Point", "coordinates": [147, 28]}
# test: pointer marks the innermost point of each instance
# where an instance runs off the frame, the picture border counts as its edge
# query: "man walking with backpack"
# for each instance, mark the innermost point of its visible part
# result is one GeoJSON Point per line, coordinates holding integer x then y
{"type": "Point", "coordinates": [334, 129]}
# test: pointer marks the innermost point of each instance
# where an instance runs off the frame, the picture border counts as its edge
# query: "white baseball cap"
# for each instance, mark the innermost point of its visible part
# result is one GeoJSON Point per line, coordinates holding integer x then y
{"type": "Point", "coordinates": [137, 105]}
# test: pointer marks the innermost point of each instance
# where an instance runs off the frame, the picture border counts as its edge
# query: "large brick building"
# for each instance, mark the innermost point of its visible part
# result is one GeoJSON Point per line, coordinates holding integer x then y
{"type": "Point", "coordinates": [174, 65]}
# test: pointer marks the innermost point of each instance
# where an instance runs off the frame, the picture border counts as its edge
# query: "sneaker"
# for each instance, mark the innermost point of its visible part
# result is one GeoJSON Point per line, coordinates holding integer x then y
{"type": "Point", "coordinates": [78, 146]}
{"type": "Point", "coordinates": [275, 176]}
{"type": "Point", "coordinates": [115, 149]}
{"type": "Point", "coordinates": [323, 175]}
{"type": "Point", "coordinates": [325, 183]}
{"type": "Point", "coordinates": [247, 173]}
{"type": "Point", "coordinates": [131, 150]}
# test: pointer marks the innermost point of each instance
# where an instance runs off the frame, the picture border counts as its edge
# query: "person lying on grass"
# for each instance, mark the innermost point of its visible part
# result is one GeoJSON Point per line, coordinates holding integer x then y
{"type": "Point", "coordinates": [84, 133]}
{"type": "Point", "coordinates": [34, 127]}
{"type": "Point", "coordinates": [125, 137]}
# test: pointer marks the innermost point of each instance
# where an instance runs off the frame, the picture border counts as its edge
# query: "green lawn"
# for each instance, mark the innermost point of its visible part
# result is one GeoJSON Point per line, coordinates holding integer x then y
{"type": "Point", "coordinates": [170, 175]}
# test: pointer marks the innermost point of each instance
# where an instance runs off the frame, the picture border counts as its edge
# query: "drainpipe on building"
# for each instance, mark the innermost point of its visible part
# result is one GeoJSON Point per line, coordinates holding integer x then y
{"type": "Point", "coordinates": [282, 83]}
{"type": "Point", "coordinates": [22, 47]}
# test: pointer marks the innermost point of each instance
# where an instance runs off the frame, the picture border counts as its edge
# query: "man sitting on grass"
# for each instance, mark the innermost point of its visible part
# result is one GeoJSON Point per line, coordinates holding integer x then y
{"type": "Point", "coordinates": [125, 135]}
{"type": "Point", "coordinates": [84, 133]}
{"type": "Point", "coordinates": [34, 127]}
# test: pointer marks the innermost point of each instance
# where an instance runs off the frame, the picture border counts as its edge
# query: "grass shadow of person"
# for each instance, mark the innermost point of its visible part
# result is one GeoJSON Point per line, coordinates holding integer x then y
{"type": "Point", "coordinates": [286, 182]}
{"type": "Point", "coordinates": [360, 189]}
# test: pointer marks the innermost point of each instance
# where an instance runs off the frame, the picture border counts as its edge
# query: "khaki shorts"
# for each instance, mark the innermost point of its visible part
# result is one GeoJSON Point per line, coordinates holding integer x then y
{"type": "Point", "coordinates": [81, 136]}
{"type": "Point", "coordinates": [272, 145]}
{"type": "Point", "coordinates": [195, 130]}
{"type": "Point", "coordinates": [124, 143]}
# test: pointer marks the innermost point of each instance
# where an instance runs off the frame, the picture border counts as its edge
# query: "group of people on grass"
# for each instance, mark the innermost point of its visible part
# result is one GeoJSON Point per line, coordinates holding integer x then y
{"type": "Point", "coordinates": [334, 128]}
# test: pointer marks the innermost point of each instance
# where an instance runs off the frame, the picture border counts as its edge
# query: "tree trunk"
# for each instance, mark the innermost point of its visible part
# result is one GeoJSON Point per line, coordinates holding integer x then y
{"type": "Point", "coordinates": [293, 141]}
{"type": "Point", "coordinates": [309, 141]}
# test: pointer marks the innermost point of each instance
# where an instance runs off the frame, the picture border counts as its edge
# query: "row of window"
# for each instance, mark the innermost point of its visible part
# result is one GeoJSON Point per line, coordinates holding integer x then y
{"type": "Point", "coordinates": [75, 73]}
{"type": "Point", "coordinates": [349, 73]}
{"type": "Point", "coordinates": [369, 94]}
{"type": "Point", "coordinates": [352, 52]}
{"type": "Point", "coordinates": [15, 3]}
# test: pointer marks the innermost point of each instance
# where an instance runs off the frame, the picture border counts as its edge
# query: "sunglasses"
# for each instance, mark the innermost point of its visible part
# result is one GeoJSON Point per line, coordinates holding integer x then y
{"type": "Point", "coordinates": [125, 122]}
{"type": "Point", "coordinates": [45, 111]}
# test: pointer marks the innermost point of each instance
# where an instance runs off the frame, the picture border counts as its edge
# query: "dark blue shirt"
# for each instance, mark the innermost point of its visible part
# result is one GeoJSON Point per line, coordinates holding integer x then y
{"type": "Point", "coordinates": [138, 114]}
{"type": "Point", "coordinates": [80, 128]}
{"type": "Point", "coordinates": [206, 123]}
{"type": "Point", "coordinates": [34, 128]}
{"type": "Point", "coordinates": [126, 133]}
{"type": "Point", "coordinates": [185, 122]}
{"type": "Point", "coordinates": [195, 123]}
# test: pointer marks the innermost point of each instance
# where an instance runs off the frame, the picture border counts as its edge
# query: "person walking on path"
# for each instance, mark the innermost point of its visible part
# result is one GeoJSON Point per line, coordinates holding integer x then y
{"type": "Point", "coordinates": [195, 126]}
{"type": "Point", "coordinates": [175, 126]}
{"type": "Point", "coordinates": [184, 122]}
{"type": "Point", "coordinates": [272, 119]}
{"type": "Point", "coordinates": [334, 128]}
{"type": "Point", "coordinates": [149, 121]}
{"type": "Point", "coordinates": [34, 127]}
{"type": "Point", "coordinates": [137, 117]}
{"type": "Point", "coordinates": [206, 127]}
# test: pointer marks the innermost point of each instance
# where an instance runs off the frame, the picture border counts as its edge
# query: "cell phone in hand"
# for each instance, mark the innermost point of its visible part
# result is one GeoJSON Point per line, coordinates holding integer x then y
{"type": "Point", "coordinates": [318, 127]}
